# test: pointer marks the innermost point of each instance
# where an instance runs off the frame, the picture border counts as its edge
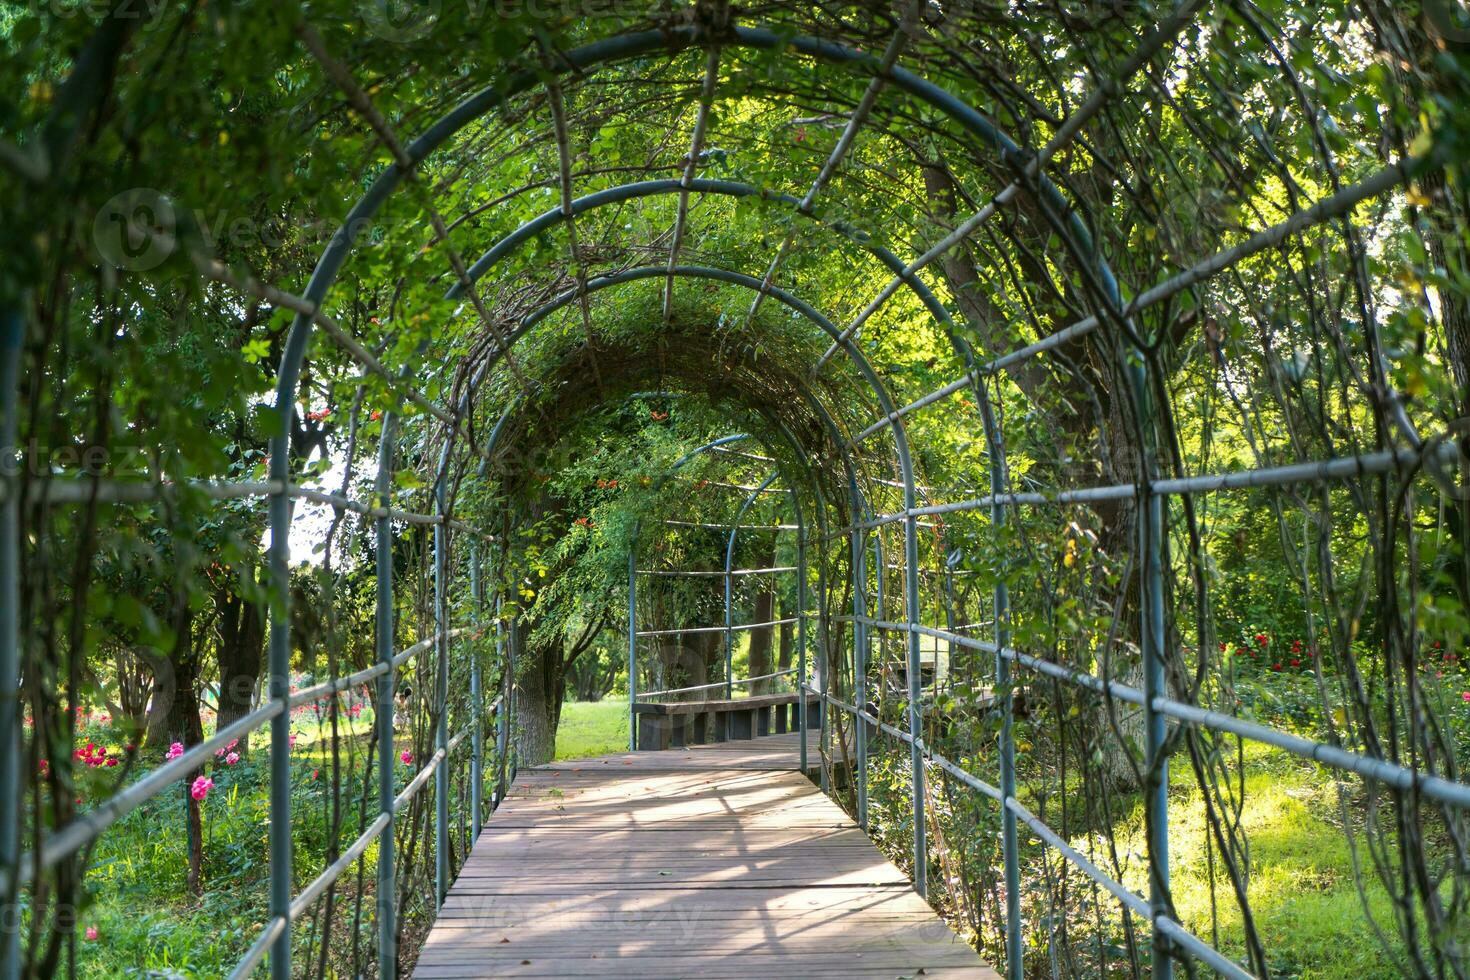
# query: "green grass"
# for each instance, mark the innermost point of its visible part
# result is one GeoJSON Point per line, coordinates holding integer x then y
{"type": "Point", "coordinates": [591, 728]}
{"type": "Point", "coordinates": [1302, 885]}
{"type": "Point", "coordinates": [1302, 889]}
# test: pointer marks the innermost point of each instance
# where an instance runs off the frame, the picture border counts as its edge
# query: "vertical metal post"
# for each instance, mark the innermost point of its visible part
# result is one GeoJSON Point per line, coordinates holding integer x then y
{"type": "Point", "coordinates": [441, 699]}
{"type": "Point", "coordinates": [824, 647]}
{"type": "Point", "coordinates": [278, 667]}
{"type": "Point", "coordinates": [1010, 844]}
{"type": "Point", "coordinates": [750, 499]}
{"type": "Point", "coordinates": [12, 335]}
{"type": "Point", "coordinates": [477, 697]}
{"type": "Point", "coordinates": [633, 642]}
{"type": "Point", "coordinates": [730, 630]}
{"type": "Point", "coordinates": [512, 698]}
{"type": "Point", "coordinates": [801, 687]}
{"type": "Point", "coordinates": [502, 714]}
{"type": "Point", "coordinates": [387, 905]}
{"type": "Point", "coordinates": [916, 692]}
{"type": "Point", "coordinates": [860, 666]}
{"type": "Point", "coordinates": [1151, 545]}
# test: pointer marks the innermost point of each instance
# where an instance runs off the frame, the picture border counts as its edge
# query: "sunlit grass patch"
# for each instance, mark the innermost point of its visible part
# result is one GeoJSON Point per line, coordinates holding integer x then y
{"type": "Point", "coordinates": [590, 728]}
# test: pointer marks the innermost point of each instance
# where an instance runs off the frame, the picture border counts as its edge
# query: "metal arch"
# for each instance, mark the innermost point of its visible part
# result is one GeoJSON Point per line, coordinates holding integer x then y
{"type": "Point", "coordinates": [627, 46]}
{"type": "Point", "coordinates": [905, 460]}
{"type": "Point", "coordinates": [495, 436]}
{"type": "Point", "coordinates": [653, 188]}
{"type": "Point", "coordinates": [640, 189]}
{"type": "Point", "coordinates": [858, 503]}
{"type": "Point", "coordinates": [633, 583]}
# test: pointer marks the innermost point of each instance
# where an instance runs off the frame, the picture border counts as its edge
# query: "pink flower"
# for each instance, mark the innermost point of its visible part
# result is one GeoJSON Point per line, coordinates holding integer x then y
{"type": "Point", "coordinates": [291, 740]}
{"type": "Point", "coordinates": [91, 934]}
{"type": "Point", "coordinates": [232, 758]}
{"type": "Point", "coordinates": [174, 751]}
{"type": "Point", "coordinates": [201, 788]}
{"type": "Point", "coordinates": [1465, 695]}
{"type": "Point", "coordinates": [407, 756]}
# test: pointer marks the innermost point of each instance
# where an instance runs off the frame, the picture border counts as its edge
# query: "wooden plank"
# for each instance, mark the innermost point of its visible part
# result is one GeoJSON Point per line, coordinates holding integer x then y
{"type": "Point", "coordinates": [717, 861]}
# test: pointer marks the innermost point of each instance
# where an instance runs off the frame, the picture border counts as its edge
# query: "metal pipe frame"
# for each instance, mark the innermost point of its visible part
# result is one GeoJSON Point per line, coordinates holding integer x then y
{"type": "Point", "coordinates": [709, 687]}
{"type": "Point", "coordinates": [633, 633]}
{"type": "Point", "coordinates": [911, 583]}
{"type": "Point", "coordinates": [727, 628]}
{"type": "Point", "coordinates": [83, 489]}
{"type": "Point", "coordinates": [385, 621]}
{"type": "Point", "coordinates": [735, 528]}
{"type": "Point", "coordinates": [1167, 934]}
{"type": "Point", "coordinates": [735, 572]}
{"type": "Point", "coordinates": [12, 337]}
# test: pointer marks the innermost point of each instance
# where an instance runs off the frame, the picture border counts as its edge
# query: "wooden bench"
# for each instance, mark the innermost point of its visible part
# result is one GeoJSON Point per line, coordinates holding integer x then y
{"type": "Point", "coordinates": [675, 724]}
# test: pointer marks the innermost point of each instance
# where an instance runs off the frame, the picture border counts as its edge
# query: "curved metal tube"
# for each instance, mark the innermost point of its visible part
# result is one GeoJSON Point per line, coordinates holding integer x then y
{"type": "Point", "coordinates": [343, 242]}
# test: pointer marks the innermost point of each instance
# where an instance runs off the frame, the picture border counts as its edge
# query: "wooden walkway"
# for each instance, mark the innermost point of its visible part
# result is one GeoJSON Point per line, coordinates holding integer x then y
{"type": "Point", "coordinates": [717, 861]}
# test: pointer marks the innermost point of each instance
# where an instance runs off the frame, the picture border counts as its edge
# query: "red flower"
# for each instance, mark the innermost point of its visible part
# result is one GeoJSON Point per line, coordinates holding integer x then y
{"type": "Point", "coordinates": [1275, 666]}
{"type": "Point", "coordinates": [375, 415]}
{"type": "Point", "coordinates": [1222, 648]}
{"type": "Point", "coordinates": [1296, 646]}
{"type": "Point", "coordinates": [1295, 662]}
{"type": "Point", "coordinates": [1262, 639]}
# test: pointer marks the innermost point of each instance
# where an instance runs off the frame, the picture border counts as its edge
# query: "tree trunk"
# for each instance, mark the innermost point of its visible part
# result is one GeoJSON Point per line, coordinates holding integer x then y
{"type": "Point", "coordinates": [760, 641]}
{"type": "Point", "coordinates": [536, 707]}
{"type": "Point", "coordinates": [241, 656]}
{"type": "Point", "coordinates": [783, 651]}
{"type": "Point", "coordinates": [173, 714]}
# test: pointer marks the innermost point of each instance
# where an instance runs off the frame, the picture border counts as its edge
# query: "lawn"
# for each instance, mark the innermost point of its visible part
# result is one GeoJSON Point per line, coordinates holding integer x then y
{"type": "Point", "coordinates": [591, 728]}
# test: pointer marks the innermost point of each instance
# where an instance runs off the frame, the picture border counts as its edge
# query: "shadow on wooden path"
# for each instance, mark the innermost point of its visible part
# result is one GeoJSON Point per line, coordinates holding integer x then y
{"type": "Point", "coordinates": [717, 861]}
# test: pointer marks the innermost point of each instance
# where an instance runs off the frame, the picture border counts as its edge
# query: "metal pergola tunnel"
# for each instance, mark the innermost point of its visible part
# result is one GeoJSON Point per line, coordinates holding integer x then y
{"type": "Point", "coordinates": [1040, 427]}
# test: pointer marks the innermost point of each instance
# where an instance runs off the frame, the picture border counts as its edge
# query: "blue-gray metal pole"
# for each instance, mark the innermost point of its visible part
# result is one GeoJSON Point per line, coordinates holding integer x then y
{"type": "Point", "coordinates": [477, 696]}
{"type": "Point", "coordinates": [750, 499]}
{"type": "Point", "coordinates": [824, 646]}
{"type": "Point", "coordinates": [633, 642]}
{"type": "Point", "coordinates": [860, 669]}
{"type": "Point", "coordinates": [383, 714]}
{"type": "Point", "coordinates": [512, 695]}
{"type": "Point", "coordinates": [278, 667]}
{"type": "Point", "coordinates": [12, 335]}
{"type": "Point", "coordinates": [441, 699]}
{"type": "Point", "coordinates": [1151, 546]}
{"type": "Point", "coordinates": [502, 715]}
{"type": "Point", "coordinates": [801, 642]}
{"type": "Point", "coordinates": [1010, 844]}
{"type": "Point", "coordinates": [916, 692]}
